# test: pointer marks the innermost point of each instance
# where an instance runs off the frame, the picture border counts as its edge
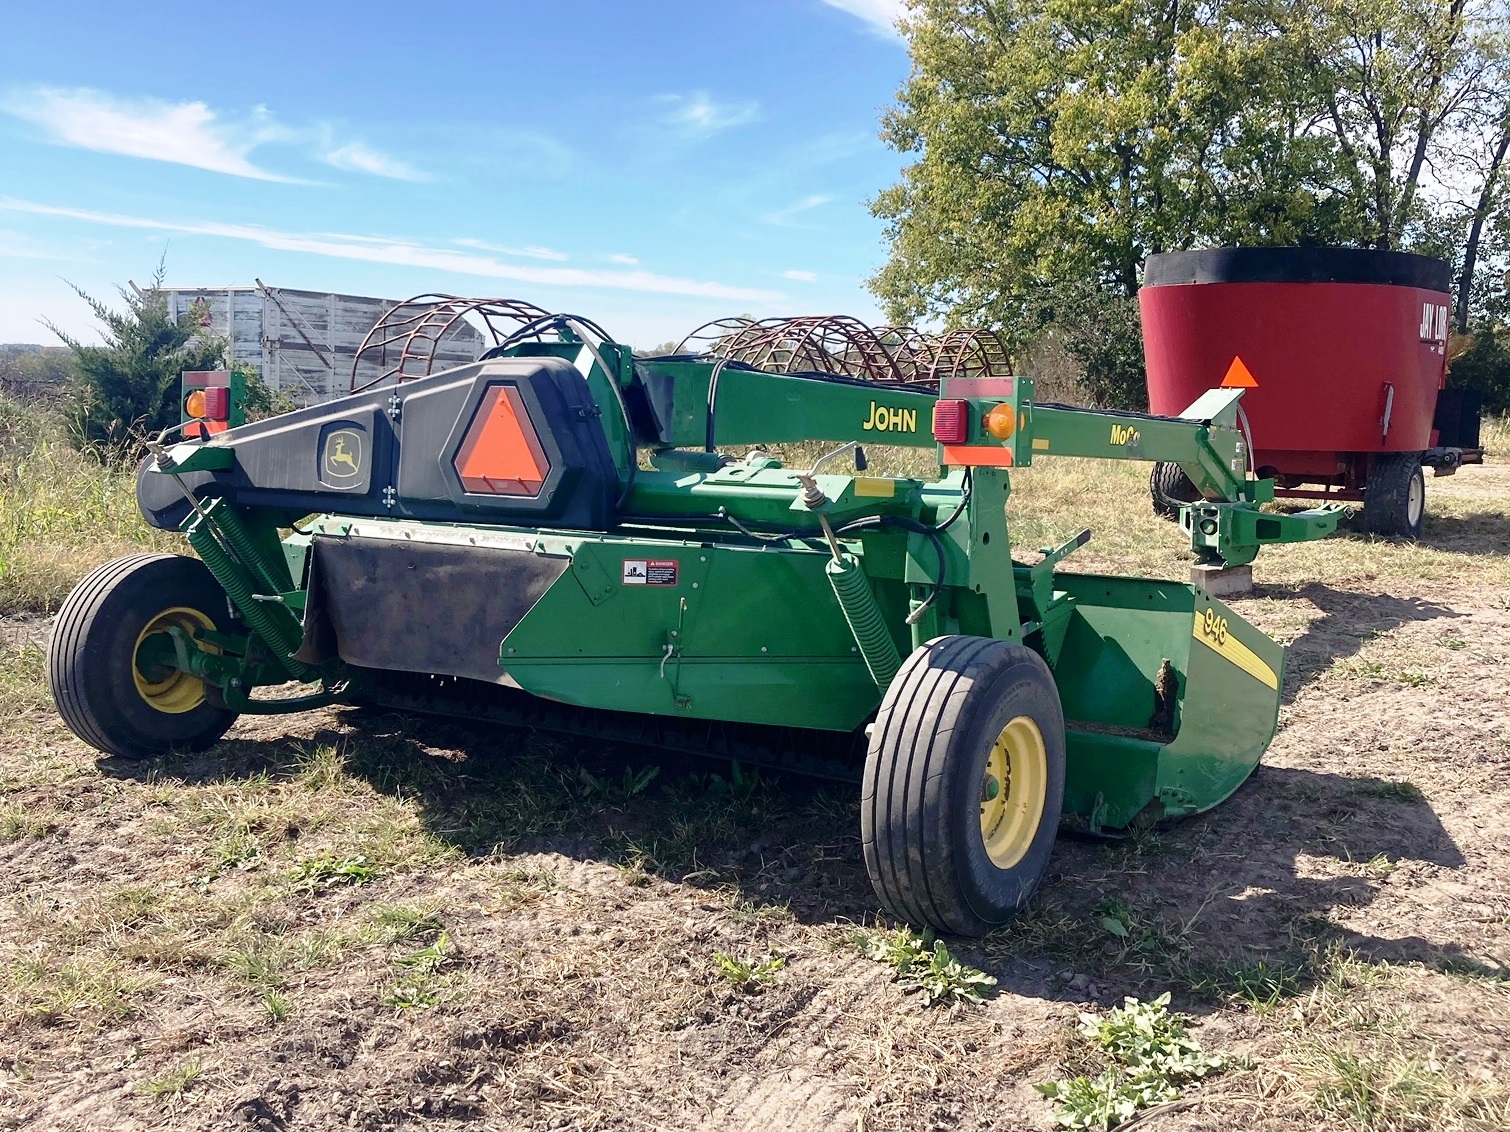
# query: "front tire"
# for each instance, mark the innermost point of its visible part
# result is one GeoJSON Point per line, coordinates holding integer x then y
{"type": "Point", "coordinates": [964, 783]}
{"type": "Point", "coordinates": [1394, 500]}
{"type": "Point", "coordinates": [1170, 489]}
{"type": "Point", "coordinates": [107, 664]}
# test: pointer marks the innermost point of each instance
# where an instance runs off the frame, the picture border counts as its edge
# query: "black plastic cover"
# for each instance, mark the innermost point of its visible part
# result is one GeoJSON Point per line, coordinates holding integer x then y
{"type": "Point", "coordinates": [421, 607]}
{"type": "Point", "coordinates": [1297, 265]}
{"type": "Point", "coordinates": [388, 452]}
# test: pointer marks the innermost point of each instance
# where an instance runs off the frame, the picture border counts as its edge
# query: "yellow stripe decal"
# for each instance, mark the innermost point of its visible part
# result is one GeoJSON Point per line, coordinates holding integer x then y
{"type": "Point", "coordinates": [874, 487]}
{"type": "Point", "coordinates": [1211, 631]}
{"type": "Point", "coordinates": [1040, 444]}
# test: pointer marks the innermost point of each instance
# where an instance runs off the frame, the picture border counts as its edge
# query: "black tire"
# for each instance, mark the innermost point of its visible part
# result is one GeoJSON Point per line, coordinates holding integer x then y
{"type": "Point", "coordinates": [1170, 489]}
{"type": "Point", "coordinates": [91, 661]}
{"type": "Point", "coordinates": [922, 809]}
{"type": "Point", "coordinates": [1394, 500]}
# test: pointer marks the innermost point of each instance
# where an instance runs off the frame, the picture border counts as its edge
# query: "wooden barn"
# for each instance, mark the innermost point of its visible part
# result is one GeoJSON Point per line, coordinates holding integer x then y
{"type": "Point", "coordinates": [304, 342]}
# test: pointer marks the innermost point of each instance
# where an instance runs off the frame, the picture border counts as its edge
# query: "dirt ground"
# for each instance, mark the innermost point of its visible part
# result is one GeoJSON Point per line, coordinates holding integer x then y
{"type": "Point", "coordinates": [358, 920]}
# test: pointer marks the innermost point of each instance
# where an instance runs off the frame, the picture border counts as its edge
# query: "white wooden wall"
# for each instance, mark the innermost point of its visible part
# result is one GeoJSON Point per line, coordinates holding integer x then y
{"type": "Point", "coordinates": [303, 342]}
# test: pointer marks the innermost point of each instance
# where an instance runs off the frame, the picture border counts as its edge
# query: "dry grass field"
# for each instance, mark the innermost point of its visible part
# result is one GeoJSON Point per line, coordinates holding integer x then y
{"type": "Point", "coordinates": [349, 919]}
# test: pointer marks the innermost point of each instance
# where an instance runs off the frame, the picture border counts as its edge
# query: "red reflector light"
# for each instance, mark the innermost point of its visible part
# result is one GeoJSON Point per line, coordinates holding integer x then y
{"type": "Point", "coordinates": [217, 403]}
{"type": "Point", "coordinates": [951, 421]}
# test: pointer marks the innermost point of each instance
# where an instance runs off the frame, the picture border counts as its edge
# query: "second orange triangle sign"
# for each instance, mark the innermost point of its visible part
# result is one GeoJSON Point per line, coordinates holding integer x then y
{"type": "Point", "coordinates": [1238, 376]}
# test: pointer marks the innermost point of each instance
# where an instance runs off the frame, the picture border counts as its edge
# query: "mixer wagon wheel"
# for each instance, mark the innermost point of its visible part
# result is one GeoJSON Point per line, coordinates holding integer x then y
{"type": "Point", "coordinates": [1394, 500]}
{"type": "Point", "coordinates": [1171, 488]}
{"type": "Point", "coordinates": [964, 780]}
{"type": "Point", "coordinates": [109, 662]}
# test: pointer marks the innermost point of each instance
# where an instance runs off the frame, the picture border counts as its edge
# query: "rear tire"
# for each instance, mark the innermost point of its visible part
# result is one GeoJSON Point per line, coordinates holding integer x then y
{"type": "Point", "coordinates": [964, 783]}
{"type": "Point", "coordinates": [1394, 501]}
{"type": "Point", "coordinates": [1171, 489]}
{"type": "Point", "coordinates": [100, 666]}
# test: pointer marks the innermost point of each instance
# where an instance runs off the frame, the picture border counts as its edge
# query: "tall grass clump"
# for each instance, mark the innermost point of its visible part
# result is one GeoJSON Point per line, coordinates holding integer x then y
{"type": "Point", "coordinates": [62, 511]}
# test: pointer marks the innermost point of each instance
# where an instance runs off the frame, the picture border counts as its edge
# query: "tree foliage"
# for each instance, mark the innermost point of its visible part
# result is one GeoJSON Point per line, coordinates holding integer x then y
{"type": "Point", "coordinates": [127, 388]}
{"type": "Point", "coordinates": [1058, 143]}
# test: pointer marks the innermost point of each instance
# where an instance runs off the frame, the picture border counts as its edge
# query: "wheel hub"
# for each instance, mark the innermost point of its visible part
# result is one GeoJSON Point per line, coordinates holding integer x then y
{"type": "Point", "coordinates": [1012, 792]}
{"type": "Point", "coordinates": [158, 680]}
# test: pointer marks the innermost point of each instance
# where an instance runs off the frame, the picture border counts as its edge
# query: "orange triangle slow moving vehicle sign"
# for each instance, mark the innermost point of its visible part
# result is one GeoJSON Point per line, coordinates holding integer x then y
{"type": "Point", "coordinates": [1238, 376]}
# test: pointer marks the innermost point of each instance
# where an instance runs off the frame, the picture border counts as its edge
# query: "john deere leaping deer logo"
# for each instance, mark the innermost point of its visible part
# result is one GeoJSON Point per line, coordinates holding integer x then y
{"type": "Point", "coordinates": [343, 454]}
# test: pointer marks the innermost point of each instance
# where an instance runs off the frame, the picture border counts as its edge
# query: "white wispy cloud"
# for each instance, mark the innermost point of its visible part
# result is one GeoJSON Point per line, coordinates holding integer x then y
{"type": "Point", "coordinates": [188, 133]}
{"type": "Point", "coordinates": [699, 114]}
{"type": "Point", "coordinates": [184, 133]}
{"type": "Point", "coordinates": [369, 249]}
{"type": "Point", "coordinates": [358, 158]}
{"type": "Point", "coordinates": [801, 276]}
{"type": "Point", "coordinates": [532, 252]}
{"type": "Point", "coordinates": [882, 15]}
{"type": "Point", "coordinates": [620, 257]}
{"type": "Point", "coordinates": [786, 217]}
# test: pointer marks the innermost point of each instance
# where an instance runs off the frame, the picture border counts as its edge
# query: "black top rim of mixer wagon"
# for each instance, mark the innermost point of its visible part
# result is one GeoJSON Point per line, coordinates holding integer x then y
{"type": "Point", "coordinates": [1297, 265]}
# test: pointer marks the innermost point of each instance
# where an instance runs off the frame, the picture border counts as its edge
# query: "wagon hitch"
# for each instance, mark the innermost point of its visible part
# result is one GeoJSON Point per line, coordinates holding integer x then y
{"type": "Point", "coordinates": [1230, 534]}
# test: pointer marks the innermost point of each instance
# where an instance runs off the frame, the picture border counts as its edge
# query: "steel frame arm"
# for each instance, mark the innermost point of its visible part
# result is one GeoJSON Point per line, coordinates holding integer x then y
{"type": "Point", "coordinates": [1203, 440]}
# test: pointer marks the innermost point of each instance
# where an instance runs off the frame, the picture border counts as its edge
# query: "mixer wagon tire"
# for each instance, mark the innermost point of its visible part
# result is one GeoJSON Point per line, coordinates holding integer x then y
{"type": "Point", "coordinates": [105, 666]}
{"type": "Point", "coordinates": [1394, 500]}
{"type": "Point", "coordinates": [1170, 488]}
{"type": "Point", "coordinates": [964, 781]}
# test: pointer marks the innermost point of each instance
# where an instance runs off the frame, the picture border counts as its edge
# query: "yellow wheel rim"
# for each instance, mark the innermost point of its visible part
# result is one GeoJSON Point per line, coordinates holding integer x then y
{"type": "Point", "coordinates": [1012, 792]}
{"type": "Point", "coordinates": [177, 691]}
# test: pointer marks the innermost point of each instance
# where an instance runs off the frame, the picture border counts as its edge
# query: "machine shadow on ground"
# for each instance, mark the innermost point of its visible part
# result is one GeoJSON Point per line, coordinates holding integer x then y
{"type": "Point", "coordinates": [1348, 621]}
{"type": "Point", "coordinates": [1197, 906]}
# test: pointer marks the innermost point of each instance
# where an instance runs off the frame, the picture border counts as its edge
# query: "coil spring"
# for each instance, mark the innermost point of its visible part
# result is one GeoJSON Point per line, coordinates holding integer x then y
{"type": "Point", "coordinates": [873, 638]}
{"type": "Point", "coordinates": [274, 624]}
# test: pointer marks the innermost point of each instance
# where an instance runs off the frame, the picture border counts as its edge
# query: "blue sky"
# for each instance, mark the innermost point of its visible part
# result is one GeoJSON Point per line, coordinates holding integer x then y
{"type": "Point", "coordinates": [649, 163]}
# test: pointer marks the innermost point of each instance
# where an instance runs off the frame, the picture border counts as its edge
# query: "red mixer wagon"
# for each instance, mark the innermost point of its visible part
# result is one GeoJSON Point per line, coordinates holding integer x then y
{"type": "Point", "coordinates": [1343, 353]}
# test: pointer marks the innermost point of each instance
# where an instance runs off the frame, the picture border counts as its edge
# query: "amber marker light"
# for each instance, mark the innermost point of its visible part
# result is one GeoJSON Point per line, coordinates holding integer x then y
{"type": "Point", "coordinates": [194, 405]}
{"type": "Point", "coordinates": [1001, 422]}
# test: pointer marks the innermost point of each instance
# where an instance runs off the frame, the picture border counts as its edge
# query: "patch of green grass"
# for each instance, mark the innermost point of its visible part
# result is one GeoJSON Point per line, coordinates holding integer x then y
{"type": "Point", "coordinates": [23, 676]}
{"type": "Point", "coordinates": [262, 960]}
{"type": "Point", "coordinates": [1393, 1089]}
{"type": "Point", "coordinates": [410, 994]}
{"type": "Point", "coordinates": [1041, 929]}
{"type": "Point", "coordinates": [93, 987]}
{"type": "Point", "coordinates": [174, 1082]}
{"type": "Point", "coordinates": [929, 970]}
{"type": "Point", "coordinates": [320, 768]}
{"type": "Point", "coordinates": [25, 823]}
{"type": "Point", "coordinates": [421, 983]}
{"type": "Point", "coordinates": [629, 785]}
{"type": "Point", "coordinates": [1259, 983]}
{"type": "Point", "coordinates": [328, 871]}
{"type": "Point", "coordinates": [397, 923]}
{"type": "Point", "coordinates": [1150, 1060]}
{"type": "Point", "coordinates": [749, 973]}
{"type": "Point", "coordinates": [235, 847]}
{"type": "Point", "coordinates": [275, 1005]}
{"type": "Point", "coordinates": [428, 960]}
{"type": "Point", "coordinates": [1378, 866]}
{"type": "Point", "coordinates": [1380, 673]}
{"type": "Point", "coordinates": [1390, 790]}
{"type": "Point", "coordinates": [1141, 939]}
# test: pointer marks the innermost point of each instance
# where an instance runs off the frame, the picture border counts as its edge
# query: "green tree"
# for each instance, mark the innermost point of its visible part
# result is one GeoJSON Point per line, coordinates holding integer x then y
{"type": "Point", "coordinates": [127, 388]}
{"type": "Point", "coordinates": [1058, 143]}
{"type": "Point", "coordinates": [1386, 82]}
{"type": "Point", "coordinates": [1061, 142]}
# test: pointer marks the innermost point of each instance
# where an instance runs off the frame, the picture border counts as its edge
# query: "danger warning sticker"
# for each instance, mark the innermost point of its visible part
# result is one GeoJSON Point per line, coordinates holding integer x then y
{"type": "Point", "coordinates": [650, 571]}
